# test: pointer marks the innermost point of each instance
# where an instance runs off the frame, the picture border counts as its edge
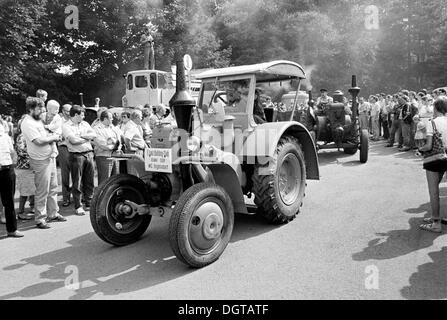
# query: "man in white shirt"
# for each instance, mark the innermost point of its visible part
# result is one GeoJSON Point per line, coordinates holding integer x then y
{"type": "Point", "coordinates": [375, 113]}
{"type": "Point", "coordinates": [108, 139]}
{"type": "Point", "coordinates": [132, 133]}
{"type": "Point", "coordinates": [78, 135]}
{"type": "Point", "coordinates": [157, 116]}
{"type": "Point", "coordinates": [364, 109]}
{"type": "Point", "coordinates": [382, 115]}
{"type": "Point", "coordinates": [43, 162]}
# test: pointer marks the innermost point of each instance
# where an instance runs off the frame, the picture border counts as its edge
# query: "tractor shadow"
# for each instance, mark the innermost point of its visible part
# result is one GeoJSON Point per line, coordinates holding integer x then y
{"type": "Point", "coordinates": [333, 156]}
{"type": "Point", "coordinates": [250, 226]}
{"type": "Point", "coordinates": [88, 266]}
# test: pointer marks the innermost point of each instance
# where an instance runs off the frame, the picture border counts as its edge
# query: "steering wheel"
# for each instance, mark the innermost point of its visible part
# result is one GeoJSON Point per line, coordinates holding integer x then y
{"type": "Point", "coordinates": [219, 96]}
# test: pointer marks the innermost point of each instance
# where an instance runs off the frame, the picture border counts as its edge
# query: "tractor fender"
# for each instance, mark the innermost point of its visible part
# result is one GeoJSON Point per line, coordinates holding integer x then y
{"type": "Point", "coordinates": [226, 177]}
{"type": "Point", "coordinates": [263, 140]}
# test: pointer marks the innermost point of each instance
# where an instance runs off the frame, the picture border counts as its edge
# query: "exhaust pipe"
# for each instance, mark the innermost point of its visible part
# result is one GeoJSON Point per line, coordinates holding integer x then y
{"type": "Point", "coordinates": [182, 105]}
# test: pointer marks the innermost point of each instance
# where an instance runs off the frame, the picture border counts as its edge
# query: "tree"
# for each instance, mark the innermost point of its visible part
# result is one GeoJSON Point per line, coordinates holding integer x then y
{"type": "Point", "coordinates": [18, 19]}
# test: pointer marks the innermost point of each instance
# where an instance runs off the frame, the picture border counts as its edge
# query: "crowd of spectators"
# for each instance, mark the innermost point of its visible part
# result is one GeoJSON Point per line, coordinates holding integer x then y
{"type": "Point", "coordinates": [50, 134]}
{"type": "Point", "coordinates": [401, 117]}
{"type": "Point", "coordinates": [412, 119]}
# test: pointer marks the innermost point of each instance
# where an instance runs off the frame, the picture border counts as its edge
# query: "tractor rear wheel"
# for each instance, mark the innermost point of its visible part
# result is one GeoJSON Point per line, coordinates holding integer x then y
{"type": "Point", "coordinates": [279, 196]}
{"type": "Point", "coordinates": [109, 215]}
{"type": "Point", "coordinates": [201, 224]}
{"type": "Point", "coordinates": [364, 146]}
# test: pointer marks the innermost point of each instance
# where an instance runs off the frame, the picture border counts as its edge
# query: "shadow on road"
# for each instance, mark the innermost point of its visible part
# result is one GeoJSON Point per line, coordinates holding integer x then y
{"type": "Point", "coordinates": [430, 281]}
{"type": "Point", "coordinates": [114, 270]}
{"type": "Point", "coordinates": [333, 156]}
{"type": "Point", "coordinates": [398, 243]}
{"type": "Point", "coordinates": [379, 149]}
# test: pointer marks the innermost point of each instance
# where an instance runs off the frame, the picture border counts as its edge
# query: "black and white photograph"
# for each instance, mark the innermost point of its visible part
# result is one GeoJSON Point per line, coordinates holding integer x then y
{"type": "Point", "coordinates": [223, 155]}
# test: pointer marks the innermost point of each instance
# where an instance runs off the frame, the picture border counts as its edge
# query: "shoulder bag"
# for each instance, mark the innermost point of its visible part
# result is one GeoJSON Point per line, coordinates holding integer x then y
{"type": "Point", "coordinates": [436, 158]}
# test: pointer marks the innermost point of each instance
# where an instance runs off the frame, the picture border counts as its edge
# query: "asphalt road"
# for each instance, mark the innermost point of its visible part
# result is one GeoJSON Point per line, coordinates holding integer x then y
{"type": "Point", "coordinates": [357, 237]}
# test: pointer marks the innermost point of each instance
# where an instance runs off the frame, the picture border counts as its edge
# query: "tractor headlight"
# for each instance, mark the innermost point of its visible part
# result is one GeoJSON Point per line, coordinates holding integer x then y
{"type": "Point", "coordinates": [193, 144]}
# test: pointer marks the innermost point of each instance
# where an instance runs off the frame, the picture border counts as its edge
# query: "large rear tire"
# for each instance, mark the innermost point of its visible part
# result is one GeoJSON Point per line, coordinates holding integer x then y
{"type": "Point", "coordinates": [279, 196]}
{"type": "Point", "coordinates": [201, 224]}
{"type": "Point", "coordinates": [110, 224]}
{"type": "Point", "coordinates": [364, 146]}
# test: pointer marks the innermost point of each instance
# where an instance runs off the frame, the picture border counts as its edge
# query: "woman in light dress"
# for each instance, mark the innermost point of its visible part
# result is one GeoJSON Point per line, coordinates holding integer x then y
{"type": "Point", "coordinates": [24, 177]}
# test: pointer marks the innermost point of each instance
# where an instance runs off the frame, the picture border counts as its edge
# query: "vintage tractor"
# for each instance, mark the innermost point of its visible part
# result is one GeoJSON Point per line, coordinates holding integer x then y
{"type": "Point", "coordinates": [205, 170]}
{"type": "Point", "coordinates": [337, 126]}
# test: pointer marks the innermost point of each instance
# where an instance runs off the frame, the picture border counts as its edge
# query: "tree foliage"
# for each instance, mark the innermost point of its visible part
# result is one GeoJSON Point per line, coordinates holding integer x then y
{"type": "Point", "coordinates": [328, 38]}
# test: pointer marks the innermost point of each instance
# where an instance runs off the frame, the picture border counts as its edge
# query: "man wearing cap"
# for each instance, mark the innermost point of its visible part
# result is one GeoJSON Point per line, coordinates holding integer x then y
{"type": "Point", "coordinates": [323, 100]}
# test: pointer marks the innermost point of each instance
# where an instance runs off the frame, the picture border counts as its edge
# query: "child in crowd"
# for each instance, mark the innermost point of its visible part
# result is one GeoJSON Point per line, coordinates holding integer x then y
{"type": "Point", "coordinates": [422, 120]}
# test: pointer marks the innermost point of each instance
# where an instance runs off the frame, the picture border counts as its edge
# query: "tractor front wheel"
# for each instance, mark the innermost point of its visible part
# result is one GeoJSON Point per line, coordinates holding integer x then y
{"type": "Point", "coordinates": [279, 196]}
{"type": "Point", "coordinates": [201, 224]}
{"type": "Point", "coordinates": [111, 218]}
{"type": "Point", "coordinates": [364, 146]}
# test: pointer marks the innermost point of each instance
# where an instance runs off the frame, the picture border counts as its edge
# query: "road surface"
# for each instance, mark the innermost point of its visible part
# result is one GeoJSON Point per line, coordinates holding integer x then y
{"type": "Point", "coordinates": [357, 237]}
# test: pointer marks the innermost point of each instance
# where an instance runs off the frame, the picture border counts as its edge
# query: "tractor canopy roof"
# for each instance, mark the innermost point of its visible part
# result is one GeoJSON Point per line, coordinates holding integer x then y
{"type": "Point", "coordinates": [280, 70]}
{"type": "Point", "coordinates": [146, 71]}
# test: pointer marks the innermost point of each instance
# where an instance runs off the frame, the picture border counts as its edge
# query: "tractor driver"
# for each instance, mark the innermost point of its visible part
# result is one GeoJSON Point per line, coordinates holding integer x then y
{"type": "Point", "coordinates": [323, 100]}
{"type": "Point", "coordinates": [258, 109]}
{"type": "Point", "coordinates": [237, 94]}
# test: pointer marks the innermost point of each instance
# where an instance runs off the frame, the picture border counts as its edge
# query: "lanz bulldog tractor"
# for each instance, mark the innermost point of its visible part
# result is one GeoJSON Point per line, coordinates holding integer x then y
{"type": "Point", "coordinates": [201, 172]}
{"type": "Point", "coordinates": [339, 129]}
